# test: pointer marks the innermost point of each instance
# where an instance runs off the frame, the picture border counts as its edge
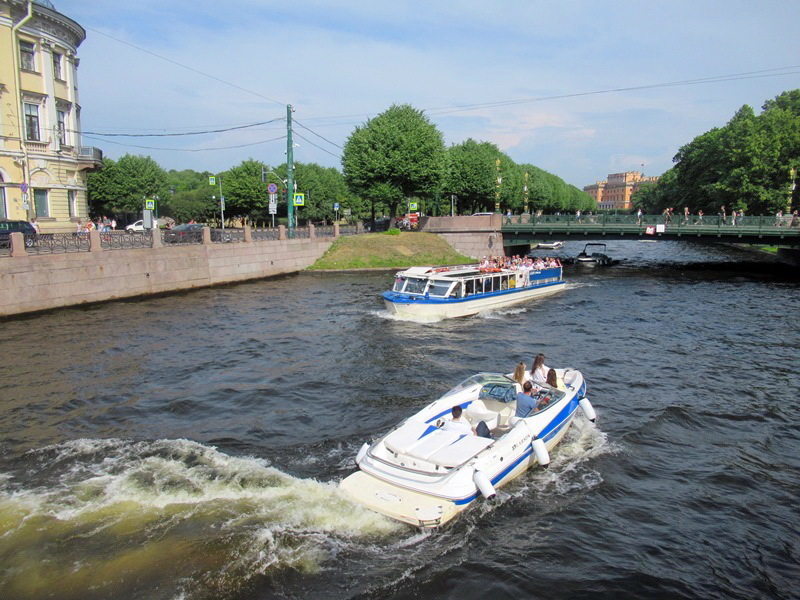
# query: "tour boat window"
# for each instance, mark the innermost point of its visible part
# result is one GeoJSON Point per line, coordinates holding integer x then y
{"type": "Point", "coordinates": [439, 288]}
{"type": "Point", "coordinates": [415, 285]}
{"type": "Point", "coordinates": [399, 282]}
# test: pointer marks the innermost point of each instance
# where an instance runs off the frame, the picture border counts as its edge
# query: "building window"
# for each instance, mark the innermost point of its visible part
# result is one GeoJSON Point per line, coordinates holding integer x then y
{"type": "Point", "coordinates": [72, 199]}
{"type": "Point", "coordinates": [62, 127]}
{"type": "Point", "coordinates": [57, 66]}
{"type": "Point", "coordinates": [41, 203]}
{"type": "Point", "coordinates": [3, 211]}
{"type": "Point", "coordinates": [27, 56]}
{"type": "Point", "coordinates": [32, 122]}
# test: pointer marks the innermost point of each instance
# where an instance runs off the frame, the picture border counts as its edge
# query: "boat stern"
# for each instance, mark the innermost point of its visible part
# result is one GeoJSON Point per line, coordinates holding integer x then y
{"type": "Point", "coordinates": [398, 503]}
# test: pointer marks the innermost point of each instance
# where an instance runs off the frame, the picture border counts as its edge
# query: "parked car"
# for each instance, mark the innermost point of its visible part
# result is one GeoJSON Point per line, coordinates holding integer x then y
{"type": "Point", "coordinates": [137, 226]}
{"type": "Point", "coordinates": [187, 233]}
{"type": "Point", "coordinates": [7, 227]}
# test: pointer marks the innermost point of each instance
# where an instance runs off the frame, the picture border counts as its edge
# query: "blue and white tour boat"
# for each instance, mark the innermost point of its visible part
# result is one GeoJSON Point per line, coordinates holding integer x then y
{"type": "Point", "coordinates": [431, 293]}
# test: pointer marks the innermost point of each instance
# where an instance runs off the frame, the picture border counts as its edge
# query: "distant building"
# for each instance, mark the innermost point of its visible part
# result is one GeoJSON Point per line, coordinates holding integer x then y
{"type": "Point", "coordinates": [617, 190]}
{"type": "Point", "coordinates": [43, 163]}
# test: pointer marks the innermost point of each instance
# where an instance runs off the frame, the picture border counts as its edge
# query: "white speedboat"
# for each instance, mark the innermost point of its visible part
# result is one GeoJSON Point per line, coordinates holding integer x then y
{"type": "Point", "coordinates": [430, 293]}
{"type": "Point", "coordinates": [549, 245]}
{"type": "Point", "coordinates": [424, 474]}
{"type": "Point", "coordinates": [594, 254]}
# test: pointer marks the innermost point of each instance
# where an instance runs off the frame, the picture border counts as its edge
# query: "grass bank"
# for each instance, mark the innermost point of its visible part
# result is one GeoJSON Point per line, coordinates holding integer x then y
{"type": "Point", "coordinates": [386, 251]}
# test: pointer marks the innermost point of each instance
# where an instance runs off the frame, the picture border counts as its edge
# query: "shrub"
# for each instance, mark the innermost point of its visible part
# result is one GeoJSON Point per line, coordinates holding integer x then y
{"type": "Point", "coordinates": [393, 231]}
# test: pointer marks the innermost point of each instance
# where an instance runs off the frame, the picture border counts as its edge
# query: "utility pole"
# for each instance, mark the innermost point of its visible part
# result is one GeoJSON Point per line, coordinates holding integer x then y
{"type": "Point", "coordinates": [289, 169]}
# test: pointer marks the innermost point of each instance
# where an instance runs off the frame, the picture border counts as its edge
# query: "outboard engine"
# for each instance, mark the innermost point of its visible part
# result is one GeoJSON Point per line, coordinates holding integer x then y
{"type": "Point", "coordinates": [540, 450]}
{"type": "Point", "coordinates": [484, 485]}
{"type": "Point", "coordinates": [362, 453]}
{"type": "Point", "coordinates": [587, 409]}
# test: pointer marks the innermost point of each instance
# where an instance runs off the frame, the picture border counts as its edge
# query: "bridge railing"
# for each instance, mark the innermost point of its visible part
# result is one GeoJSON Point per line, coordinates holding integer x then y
{"type": "Point", "coordinates": [673, 222]}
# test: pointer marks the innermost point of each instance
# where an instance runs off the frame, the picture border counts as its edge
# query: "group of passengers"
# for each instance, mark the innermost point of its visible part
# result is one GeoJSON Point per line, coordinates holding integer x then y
{"type": "Point", "coordinates": [529, 400]}
{"type": "Point", "coordinates": [532, 382]}
{"type": "Point", "coordinates": [517, 262]}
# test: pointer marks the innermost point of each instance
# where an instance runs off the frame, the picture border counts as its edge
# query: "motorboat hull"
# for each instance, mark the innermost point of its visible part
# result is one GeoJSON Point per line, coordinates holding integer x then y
{"type": "Point", "coordinates": [400, 475]}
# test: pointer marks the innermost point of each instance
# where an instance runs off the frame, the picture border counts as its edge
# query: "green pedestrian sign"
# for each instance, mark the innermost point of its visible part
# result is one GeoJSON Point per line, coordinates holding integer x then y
{"type": "Point", "coordinates": [212, 180]}
{"type": "Point", "coordinates": [150, 204]}
{"type": "Point", "coordinates": [412, 206]}
{"type": "Point", "coordinates": [299, 199]}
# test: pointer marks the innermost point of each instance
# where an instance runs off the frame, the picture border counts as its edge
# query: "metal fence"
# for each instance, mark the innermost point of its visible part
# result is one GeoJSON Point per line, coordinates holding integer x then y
{"type": "Point", "coordinates": [226, 236]}
{"type": "Point", "coordinates": [182, 238]}
{"type": "Point", "coordinates": [348, 230]}
{"type": "Point", "coordinates": [299, 232]}
{"type": "Point", "coordinates": [121, 240]}
{"type": "Point", "coordinates": [324, 231]}
{"type": "Point", "coordinates": [55, 243]}
{"type": "Point", "coordinates": [266, 234]}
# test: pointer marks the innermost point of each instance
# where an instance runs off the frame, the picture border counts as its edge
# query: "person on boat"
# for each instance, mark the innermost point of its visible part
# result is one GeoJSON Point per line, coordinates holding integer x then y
{"type": "Point", "coordinates": [553, 381]}
{"type": "Point", "coordinates": [519, 373]}
{"type": "Point", "coordinates": [456, 425]}
{"type": "Point", "coordinates": [539, 369]}
{"type": "Point", "coordinates": [525, 401]}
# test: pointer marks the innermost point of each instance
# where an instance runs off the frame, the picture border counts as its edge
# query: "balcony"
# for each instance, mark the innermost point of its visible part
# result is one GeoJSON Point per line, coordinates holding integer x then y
{"type": "Point", "coordinates": [89, 158]}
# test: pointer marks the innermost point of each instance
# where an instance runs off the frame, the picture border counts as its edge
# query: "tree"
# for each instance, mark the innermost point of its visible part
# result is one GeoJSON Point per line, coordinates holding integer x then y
{"type": "Point", "coordinates": [397, 155]}
{"type": "Point", "coordinates": [323, 187]}
{"type": "Point", "coordinates": [245, 193]}
{"type": "Point", "coordinates": [472, 175]}
{"type": "Point", "coordinates": [123, 185]}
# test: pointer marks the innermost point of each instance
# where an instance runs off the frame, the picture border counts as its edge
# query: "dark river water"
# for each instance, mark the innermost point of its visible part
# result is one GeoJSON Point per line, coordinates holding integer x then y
{"type": "Point", "coordinates": [190, 446]}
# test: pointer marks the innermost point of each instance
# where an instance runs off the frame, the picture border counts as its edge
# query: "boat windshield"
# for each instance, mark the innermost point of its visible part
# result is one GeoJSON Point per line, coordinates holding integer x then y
{"type": "Point", "coordinates": [485, 380]}
{"type": "Point", "coordinates": [439, 288]}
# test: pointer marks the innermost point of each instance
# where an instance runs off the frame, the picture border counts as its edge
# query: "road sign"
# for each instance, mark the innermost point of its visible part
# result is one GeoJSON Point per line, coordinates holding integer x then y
{"type": "Point", "coordinates": [23, 187]}
{"type": "Point", "coordinates": [273, 209]}
{"type": "Point", "coordinates": [150, 204]}
{"type": "Point", "coordinates": [299, 199]}
{"type": "Point", "coordinates": [222, 202]}
{"type": "Point", "coordinates": [273, 197]}
{"type": "Point", "coordinates": [212, 181]}
{"type": "Point", "coordinates": [272, 188]}
{"type": "Point", "coordinates": [412, 206]}
{"type": "Point", "coordinates": [346, 212]}
{"type": "Point", "coordinates": [335, 206]}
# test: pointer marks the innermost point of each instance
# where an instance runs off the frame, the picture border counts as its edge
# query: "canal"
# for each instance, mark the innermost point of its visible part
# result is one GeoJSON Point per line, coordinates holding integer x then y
{"type": "Point", "coordinates": [189, 446]}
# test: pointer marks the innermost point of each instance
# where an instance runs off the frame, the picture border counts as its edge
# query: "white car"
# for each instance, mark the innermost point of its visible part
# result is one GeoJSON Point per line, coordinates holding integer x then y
{"type": "Point", "coordinates": [137, 226]}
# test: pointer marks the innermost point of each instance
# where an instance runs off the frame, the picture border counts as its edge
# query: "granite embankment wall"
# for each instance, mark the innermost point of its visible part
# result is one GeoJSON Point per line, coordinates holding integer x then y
{"type": "Point", "coordinates": [31, 283]}
{"type": "Point", "coordinates": [472, 236]}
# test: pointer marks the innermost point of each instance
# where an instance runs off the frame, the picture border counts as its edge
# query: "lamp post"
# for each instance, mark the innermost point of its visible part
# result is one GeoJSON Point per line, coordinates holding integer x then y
{"type": "Point", "coordinates": [497, 187]}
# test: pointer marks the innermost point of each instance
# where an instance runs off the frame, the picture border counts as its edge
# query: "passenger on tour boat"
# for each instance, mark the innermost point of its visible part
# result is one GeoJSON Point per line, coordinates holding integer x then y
{"type": "Point", "coordinates": [539, 370]}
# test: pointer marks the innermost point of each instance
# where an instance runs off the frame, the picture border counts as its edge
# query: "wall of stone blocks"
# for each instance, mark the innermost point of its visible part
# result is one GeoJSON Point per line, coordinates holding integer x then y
{"type": "Point", "coordinates": [32, 283]}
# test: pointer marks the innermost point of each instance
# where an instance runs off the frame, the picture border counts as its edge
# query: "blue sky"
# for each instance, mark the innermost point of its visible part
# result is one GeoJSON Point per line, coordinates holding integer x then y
{"type": "Point", "coordinates": [338, 63]}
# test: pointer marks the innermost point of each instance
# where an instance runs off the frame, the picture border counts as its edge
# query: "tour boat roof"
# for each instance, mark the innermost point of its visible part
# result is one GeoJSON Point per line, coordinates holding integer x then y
{"type": "Point", "coordinates": [441, 271]}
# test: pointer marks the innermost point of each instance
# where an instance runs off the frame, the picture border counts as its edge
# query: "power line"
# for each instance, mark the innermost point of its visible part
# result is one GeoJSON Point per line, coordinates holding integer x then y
{"type": "Point", "coordinates": [174, 62]}
{"type": "Point", "coordinates": [184, 133]}
{"type": "Point", "coordinates": [316, 146]}
{"type": "Point", "coordinates": [186, 149]}
{"type": "Point", "coordinates": [318, 135]}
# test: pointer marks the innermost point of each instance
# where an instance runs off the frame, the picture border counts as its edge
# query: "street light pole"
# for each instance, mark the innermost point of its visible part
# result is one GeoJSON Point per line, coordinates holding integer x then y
{"type": "Point", "coordinates": [289, 169]}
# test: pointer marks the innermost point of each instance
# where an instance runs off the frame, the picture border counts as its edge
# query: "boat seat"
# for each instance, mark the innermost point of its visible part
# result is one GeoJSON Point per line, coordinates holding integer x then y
{"type": "Point", "coordinates": [460, 451]}
{"type": "Point", "coordinates": [403, 439]}
{"type": "Point", "coordinates": [478, 411]}
{"type": "Point", "coordinates": [506, 414]}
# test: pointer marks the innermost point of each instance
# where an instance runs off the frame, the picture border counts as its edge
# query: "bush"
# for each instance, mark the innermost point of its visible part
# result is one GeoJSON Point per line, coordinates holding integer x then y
{"type": "Point", "coordinates": [393, 231]}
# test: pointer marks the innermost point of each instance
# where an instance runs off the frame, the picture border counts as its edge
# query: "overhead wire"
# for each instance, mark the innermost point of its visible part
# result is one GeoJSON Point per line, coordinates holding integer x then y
{"type": "Point", "coordinates": [315, 145]}
{"type": "Point", "coordinates": [207, 131]}
{"type": "Point", "coordinates": [186, 149]}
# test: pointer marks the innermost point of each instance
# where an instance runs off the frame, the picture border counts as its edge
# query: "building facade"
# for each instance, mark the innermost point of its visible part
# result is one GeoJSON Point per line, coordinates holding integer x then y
{"type": "Point", "coordinates": [43, 164]}
{"type": "Point", "coordinates": [615, 192]}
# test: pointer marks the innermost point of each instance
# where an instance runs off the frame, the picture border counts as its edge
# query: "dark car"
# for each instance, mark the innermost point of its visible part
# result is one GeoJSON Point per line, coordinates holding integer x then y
{"type": "Point", "coordinates": [189, 233]}
{"type": "Point", "coordinates": [7, 227]}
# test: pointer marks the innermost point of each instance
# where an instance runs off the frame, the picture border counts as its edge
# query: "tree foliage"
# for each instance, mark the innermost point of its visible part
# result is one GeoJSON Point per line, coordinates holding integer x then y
{"type": "Point", "coordinates": [397, 155]}
{"type": "Point", "coordinates": [122, 186]}
{"type": "Point", "coordinates": [745, 165]}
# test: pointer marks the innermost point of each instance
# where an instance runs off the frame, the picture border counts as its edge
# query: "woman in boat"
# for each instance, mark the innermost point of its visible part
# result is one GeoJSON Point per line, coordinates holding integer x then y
{"type": "Point", "coordinates": [553, 381]}
{"type": "Point", "coordinates": [539, 369]}
{"type": "Point", "coordinates": [519, 373]}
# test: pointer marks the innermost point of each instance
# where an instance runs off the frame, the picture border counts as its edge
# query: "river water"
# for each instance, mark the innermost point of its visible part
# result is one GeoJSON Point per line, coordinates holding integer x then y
{"type": "Point", "coordinates": [189, 446]}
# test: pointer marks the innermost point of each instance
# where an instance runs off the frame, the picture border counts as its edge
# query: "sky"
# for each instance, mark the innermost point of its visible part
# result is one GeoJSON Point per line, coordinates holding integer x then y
{"type": "Point", "coordinates": [534, 77]}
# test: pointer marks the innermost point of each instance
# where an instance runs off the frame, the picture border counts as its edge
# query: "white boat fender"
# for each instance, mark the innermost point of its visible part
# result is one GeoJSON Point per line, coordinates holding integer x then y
{"type": "Point", "coordinates": [362, 453]}
{"type": "Point", "coordinates": [484, 485]}
{"type": "Point", "coordinates": [587, 409]}
{"type": "Point", "coordinates": [540, 450]}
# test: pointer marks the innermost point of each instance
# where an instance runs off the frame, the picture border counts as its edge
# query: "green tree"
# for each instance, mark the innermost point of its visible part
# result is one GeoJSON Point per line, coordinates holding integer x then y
{"type": "Point", "coordinates": [472, 175]}
{"type": "Point", "coordinates": [122, 186]}
{"type": "Point", "coordinates": [245, 193]}
{"type": "Point", "coordinates": [397, 155]}
{"type": "Point", "coordinates": [323, 186]}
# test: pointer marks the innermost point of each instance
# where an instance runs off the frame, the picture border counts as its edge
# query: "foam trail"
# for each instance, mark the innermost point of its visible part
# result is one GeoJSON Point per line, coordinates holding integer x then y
{"type": "Point", "coordinates": [116, 519]}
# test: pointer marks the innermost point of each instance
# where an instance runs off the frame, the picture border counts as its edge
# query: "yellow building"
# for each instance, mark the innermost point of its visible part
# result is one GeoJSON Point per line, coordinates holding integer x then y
{"type": "Point", "coordinates": [43, 164]}
{"type": "Point", "coordinates": [615, 192]}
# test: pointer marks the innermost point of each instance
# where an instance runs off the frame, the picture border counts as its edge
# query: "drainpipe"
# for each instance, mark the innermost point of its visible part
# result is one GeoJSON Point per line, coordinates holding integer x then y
{"type": "Point", "coordinates": [20, 103]}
